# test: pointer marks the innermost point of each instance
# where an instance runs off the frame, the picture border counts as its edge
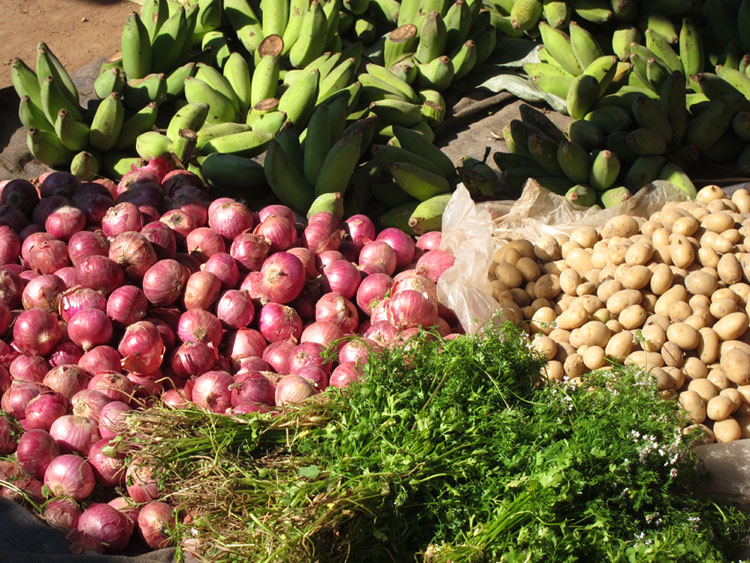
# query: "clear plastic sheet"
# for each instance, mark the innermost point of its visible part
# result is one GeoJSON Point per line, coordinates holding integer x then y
{"type": "Point", "coordinates": [472, 232]}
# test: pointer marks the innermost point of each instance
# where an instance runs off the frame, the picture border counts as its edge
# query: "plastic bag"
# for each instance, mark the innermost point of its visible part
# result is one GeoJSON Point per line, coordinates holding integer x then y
{"type": "Point", "coordinates": [473, 232]}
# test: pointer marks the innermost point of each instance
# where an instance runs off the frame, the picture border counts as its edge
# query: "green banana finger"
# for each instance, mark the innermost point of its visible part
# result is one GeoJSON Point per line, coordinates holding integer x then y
{"type": "Point", "coordinates": [234, 174]}
{"type": "Point", "coordinates": [673, 173]}
{"type": "Point", "coordinates": [604, 170]}
{"type": "Point", "coordinates": [47, 148]}
{"type": "Point", "coordinates": [586, 49]}
{"type": "Point", "coordinates": [286, 181]}
{"type": "Point", "coordinates": [317, 142]}
{"type": "Point", "coordinates": [574, 161]}
{"type": "Point", "coordinates": [220, 107]}
{"type": "Point", "coordinates": [25, 82]}
{"type": "Point", "coordinates": [582, 95]}
{"type": "Point", "coordinates": [338, 166]}
{"type": "Point", "coordinates": [428, 215]}
{"type": "Point", "coordinates": [49, 65]}
{"type": "Point", "coordinates": [417, 182]}
{"type": "Point", "coordinates": [73, 134]}
{"type": "Point", "coordinates": [417, 143]}
{"type": "Point", "coordinates": [189, 116]}
{"type": "Point", "coordinates": [397, 112]}
{"type": "Point", "coordinates": [558, 44]}
{"type": "Point", "coordinates": [581, 194]}
{"type": "Point", "coordinates": [84, 166]}
{"type": "Point", "coordinates": [140, 122]}
{"type": "Point", "coordinates": [32, 116]}
{"type": "Point", "coordinates": [245, 143]}
{"type": "Point", "coordinates": [615, 196]}
{"type": "Point", "coordinates": [107, 123]}
{"type": "Point", "coordinates": [237, 73]}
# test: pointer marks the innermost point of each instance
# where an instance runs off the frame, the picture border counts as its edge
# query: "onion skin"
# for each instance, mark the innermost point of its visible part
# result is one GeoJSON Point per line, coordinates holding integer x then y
{"type": "Point", "coordinates": [10, 245]}
{"type": "Point", "coordinates": [341, 277]}
{"type": "Point", "coordinates": [344, 374]}
{"type": "Point", "coordinates": [111, 415]}
{"type": "Point", "coordinates": [75, 434]}
{"type": "Point", "coordinates": [62, 513]}
{"type": "Point", "coordinates": [204, 242]}
{"type": "Point", "coordinates": [43, 292]}
{"type": "Point", "coordinates": [133, 253]}
{"type": "Point", "coordinates": [164, 282]}
{"type": "Point", "coordinates": [337, 309]}
{"type": "Point", "coordinates": [100, 359]}
{"type": "Point", "coordinates": [70, 475]}
{"type": "Point", "coordinates": [37, 332]}
{"type": "Point", "coordinates": [141, 484]}
{"type": "Point", "coordinates": [235, 309]}
{"type": "Point", "coordinates": [279, 322]}
{"type": "Point", "coordinates": [36, 449]}
{"type": "Point", "coordinates": [229, 218]}
{"type": "Point", "coordinates": [8, 438]}
{"type": "Point", "coordinates": [292, 389]}
{"type": "Point", "coordinates": [120, 218]}
{"type": "Point", "coordinates": [154, 522]}
{"type": "Point", "coordinates": [49, 256]}
{"type": "Point", "coordinates": [280, 232]}
{"type": "Point", "coordinates": [162, 239]}
{"type": "Point", "coordinates": [127, 305]}
{"type": "Point", "coordinates": [361, 229]}
{"type": "Point", "coordinates": [252, 388]}
{"type": "Point", "coordinates": [243, 343]}
{"type": "Point", "coordinates": [211, 391]}
{"type": "Point", "coordinates": [201, 291]}
{"type": "Point", "coordinates": [109, 466]}
{"type": "Point", "coordinates": [105, 524]}
{"type": "Point", "coordinates": [198, 325]}
{"type": "Point", "coordinates": [141, 348]}
{"type": "Point", "coordinates": [99, 273]}
{"type": "Point", "coordinates": [283, 277]}
{"type": "Point", "coordinates": [90, 328]}
{"type": "Point", "coordinates": [18, 395]}
{"type": "Point", "coordinates": [249, 251]}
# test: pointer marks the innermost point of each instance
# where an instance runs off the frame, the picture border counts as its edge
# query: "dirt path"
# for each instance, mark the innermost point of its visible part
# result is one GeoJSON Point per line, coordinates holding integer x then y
{"type": "Point", "coordinates": [77, 31]}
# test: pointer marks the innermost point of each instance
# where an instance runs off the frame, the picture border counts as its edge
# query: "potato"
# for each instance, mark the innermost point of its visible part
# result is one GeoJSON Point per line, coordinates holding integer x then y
{"type": "Point", "coordinates": [545, 346]}
{"type": "Point", "coordinates": [585, 236]}
{"type": "Point", "coordinates": [620, 226]}
{"type": "Point", "coordinates": [663, 381]}
{"type": "Point", "coordinates": [709, 193]}
{"type": "Point", "coordinates": [679, 312]}
{"type": "Point", "coordinates": [607, 289]}
{"type": "Point", "coordinates": [547, 286]}
{"type": "Point", "coordinates": [574, 317]}
{"type": "Point", "coordinates": [622, 299]}
{"type": "Point", "coordinates": [650, 226]}
{"type": "Point", "coordinates": [586, 288]}
{"type": "Point", "coordinates": [547, 249]}
{"type": "Point", "coordinates": [564, 302]}
{"type": "Point", "coordinates": [729, 269]}
{"type": "Point", "coordinates": [590, 302]}
{"type": "Point", "coordinates": [614, 325]}
{"type": "Point", "coordinates": [643, 359]}
{"type": "Point", "coordinates": [707, 256]}
{"type": "Point", "coordinates": [658, 320]}
{"type": "Point", "coordinates": [718, 222]}
{"type": "Point", "coordinates": [742, 291]}
{"type": "Point", "coordinates": [733, 235]}
{"type": "Point", "coordinates": [574, 366]}
{"type": "Point", "coordinates": [523, 247]}
{"type": "Point", "coordinates": [528, 288]}
{"type": "Point", "coordinates": [520, 297]}
{"type": "Point", "coordinates": [568, 247]}
{"type": "Point", "coordinates": [708, 346]}
{"type": "Point", "coordinates": [593, 357]}
{"type": "Point", "coordinates": [732, 326]}
{"type": "Point", "coordinates": [685, 336]}
{"type": "Point", "coordinates": [669, 215]}
{"type": "Point", "coordinates": [599, 258]}
{"type": "Point", "coordinates": [716, 242]}
{"type": "Point", "coordinates": [661, 279]}
{"type": "Point", "coordinates": [699, 283]}
{"type": "Point", "coordinates": [543, 320]}
{"type": "Point", "coordinates": [660, 238]}
{"type": "Point", "coordinates": [744, 391]}
{"type": "Point", "coordinates": [595, 333]}
{"type": "Point", "coordinates": [685, 226]}
{"type": "Point", "coordinates": [554, 267]}
{"type": "Point", "coordinates": [681, 252]}
{"type": "Point", "coordinates": [570, 279]}
{"type": "Point", "coordinates": [654, 338]}
{"type": "Point", "coordinates": [508, 274]}
{"type": "Point", "coordinates": [723, 307]}
{"type": "Point", "coordinates": [553, 371]}
{"type": "Point", "coordinates": [727, 430]}
{"type": "Point", "coordinates": [580, 260]}
{"type": "Point", "coordinates": [633, 317]}
{"type": "Point", "coordinates": [618, 247]}
{"type": "Point", "coordinates": [697, 321]}
{"type": "Point", "coordinates": [704, 388]}
{"type": "Point", "coordinates": [678, 378]}
{"type": "Point", "coordinates": [620, 345]}
{"type": "Point", "coordinates": [718, 205]}
{"type": "Point", "coordinates": [733, 396]}
{"type": "Point", "coordinates": [718, 408]}
{"type": "Point", "coordinates": [694, 406]}
{"type": "Point", "coordinates": [735, 363]}
{"type": "Point", "coordinates": [669, 298]}
{"type": "Point", "coordinates": [694, 368]}
{"type": "Point", "coordinates": [559, 335]}
{"type": "Point", "coordinates": [719, 379]}
{"type": "Point", "coordinates": [672, 354]}
{"type": "Point", "coordinates": [607, 273]}
{"type": "Point", "coordinates": [529, 268]}
{"type": "Point", "coordinates": [633, 276]}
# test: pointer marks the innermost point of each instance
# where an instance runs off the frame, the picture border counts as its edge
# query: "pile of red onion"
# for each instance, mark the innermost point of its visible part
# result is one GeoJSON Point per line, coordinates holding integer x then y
{"type": "Point", "coordinates": [114, 296]}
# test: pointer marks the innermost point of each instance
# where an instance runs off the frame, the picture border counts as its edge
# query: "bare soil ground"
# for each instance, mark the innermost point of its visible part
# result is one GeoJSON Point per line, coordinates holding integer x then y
{"type": "Point", "coordinates": [77, 31]}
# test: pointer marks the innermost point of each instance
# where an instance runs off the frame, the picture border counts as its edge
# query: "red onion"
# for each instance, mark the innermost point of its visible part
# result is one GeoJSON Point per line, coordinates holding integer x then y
{"type": "Point", "coordinates": [58, 183]}
{"type": "Point", "coordinates": [378, 256]}
{"type": "Point", "coordinates": [134, 254]}
{"type": "Point", "coordinates": [162, 239]}
{"type": "Point", "coordinates": [65, 353]}
{"type": "Point", "coordinates": [100, 273]}
{"type": "Point", "coordinates": [349, 250]}
{"type": "Point", "coordinates": [46, 206]}
{"type": "Point", "coordinates": [357, 350]}
{"type": "Point", "coordinates": [252, 284]}
{"type": "Point", "coordinates": [381, 332]}
{"type": "Point", "coordinates": [164, 282]}
{"type": "Point", "coordinates": [307, 257]}
{"type": "Point", "coordinates": [128, 509]}
{"type": "Point", "coordinates": [5, 380]}
{"type": "Point", "coordinates": [101, 359]}
{"type": "Point", "coordinates": [224, 267]}
{"type": "Point", "coordinates": [324, 217]}
{"type": "Point", "coordinates": [79, 299]}
{"type": "Point", "coordinates": [142, 192]}
{"type": "Point", "coordinates": [12, 218]}
{"type": "Point", "coordinates": [249, 251]}
{"type": "Point", "coordinates": [309, 353]}
{"type": "Point", "coordinates": [62, 513]}
{"type": "Point", "coordinates": [10, 472]}
{"type": "Point", "coordinates": [211, 391]}
{"type": "Point", "coordinates": [66, 379]}
{"type": "Point", "coordinates": [322, 332]}
{"type": "Point", "coordinates": [36, 332]}
{"type": "Point", "coordinates": [410, 279]}
{"type": "Point", "coordinates": [10, 245]}
{"type": "Point", "coordinates": [36, 449]}
{"type": "Point", "coordinates": [108, 465]}
{"type": "Point", "coordinates": [402, 244]}
{"type": "Point", "coordinates": [94, 207]}
{"type": "Point", "coordinates": [410, 308]}
{"type": "Point", "coordinates": [361, 229]}
{"type": "Point", "coordinates": [180, 222]}
{"type": "Point", "coordinates": [328, 257]}
{"type": "Point", "coordinates": [5, 317]}
{"type": "Point", "coordinates": [141, 348]}
{"type": "Point", "coordinates": [252, 388]}
{"type": "Point", "coordinates": [247, 408]}
{"type": "Point", "coordinates": [8, 438]}
{"type": "Point", "coordinates": [197, 325]}
{"type": "Point", "coordinates": [320, 236]}
{"type": "Point", "coordinates": [32, 240]}
{"type": "Point", "coordinates": [337, 309]}
{"type": "Point", "coordinates": [175, 398]}
{"type": "Point", "coordinates": [111, 417]}
{"type": "Point", "coordinates": [66, 274]}
{"type": "Point", "coordinates": [90, 328]}
{"type": "Point", "coordinates": [293, 389]}
{"type": "Point", "coordinates": [191, 263]}
{"type": "Point", "coordinates": [43, 292]}
{"type": "Point", "coordinates": [166, 324]}
{"type": "Point", "coordinates": [341, 277]}
{"type": "Point", "coordinates": [20, 194]}
{"type": "Point", "coordinates": [279, 322]}
{"type": "Point", "coordinates": [344, 374]}
{"type": "Point", "coordinates": [120, 218]}
{"type": "Point", "coordinates": [283, 277]}
{"type": "Point", "coordinates": [127, 305]}
{"type": "Point", "coordinates": [48, 256]}
{"type": "Point", "coordinates": [433, 263]}
{"type": "Point", "coordinates": [11, 288]}
{"type": "Point", "coordinates": [373, 289]}
{"type": "Point", "coordinates": [64, 222]}
{"type": "Point", "coordinates": [230, 218]}
{"type": "Point", "coordinates": [88, 403]}
{"type": "Point", "coordinates": [244, 342]}
{"type": "Point", "coordinates": [277, 210]}
{"type": "Point", "coordinates": [44, 409]}
{"type": "Point", "coordinates": [180, 179]}
{"type": "Point", "coordinates": [155, 521]}
{"type": "Point", "coordinates": [204, 243]}
{"type": "Point", "coordinates": [279, 355]}
{"type": "Point", "coordinates": [106, 525]}
{"type": "Point", "coordinates": [317, 377]}
{"type": "Point", "coordinates": [17, 397]}
{"type": "Point", "coordinates": [75, 434]}
{"type": "Point", "coordinates": [193, 358]}
{"type": "Point", "coordinates": [430, 240]}
{"type": "Point", "coordinates": [305, 302]}
{"type": "Point", "coordinates": [280, 232]}
{"type": "Point", "coordinates": [202, 290]}
{"type": "Point", "coordinates": [253, 364]}
{"type": "Point", "coordinates": [115, 386]}
{"type": "Point", "coordinates": [235, 309]}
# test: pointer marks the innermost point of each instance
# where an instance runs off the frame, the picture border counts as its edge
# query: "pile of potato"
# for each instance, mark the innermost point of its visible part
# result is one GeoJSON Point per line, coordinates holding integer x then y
{"type": "Point", "coordinates": [670, 294]}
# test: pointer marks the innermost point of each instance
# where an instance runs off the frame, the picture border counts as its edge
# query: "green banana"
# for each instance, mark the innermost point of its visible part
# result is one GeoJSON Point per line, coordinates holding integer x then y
{"type": "Point", "coordinates": [622, 38]}
{"type": "Point", "coordinates": [47, 148]}
{"type": "Point", "coordinates": [183, 148]}
{"type": "Point", "coordinates": [738, 80]}
{"type": "Point", "coordinates": [556, 13]}
{"type": "Point", "coordinates": [338, 109]}
{"type": "Point", "coordinates": [385, 155]}
{"type": "Point", "coordinates": [232, 173]}
{"type": "Point", "coordinates": [215, 79]}
{"type": "Point", "coordinates": [595, 11]}
{"type": "Point", "coordinates": [432, 38]}
{"type": "Point", "coordinates": [215, 49]}
{"type": "Point", "coordinates": [388, 77]}
{"type": "Point", "coordinates": [274, 17]}
{"type": "Point", "coordinates": [47, 64]}
{"type": "Point", "coordinates": [417, 143]}
{"type": "Point", "coordinates": [332, 202]}
{"type": "Point", "coordinates": [486, 42]}
{"type": "Point", "coordinates": [464, 60]}
{"type": "Point", "coordinates": [264, 79]}
{"type": "Point", "coordinates": [220, 107]}
{"type": "Point", "coordinates": [211, 131]}
{"type": "Point", "coordinates": [237, 73]}
{"type": "Point", "coordinates": [544, 152]}
{"type": "Point", "coordinates": [389, 194]}
{"type": "Point", "coordinates": [673, 173]}
{"type": "Point", "coordinates": [186, 53]}
{"type": "Point", "coordinates": [153, 14]}
{"type": "Point", "coordinates": [691, 48]}
{"type": "Point", "coordinates": [662, 49]}
{"type": "Point", "coordinates": [457, 21]}
{"type": "Point", "coordinates": [646, 142]}
{"type": "Point", "coordinates": [297, 11]}
{"type": "Point", "coordinates": [712, 86]}
{"type": "Point", "coordinates": [397, 112]}
{"type": "Point", "coordinates": [557, 42]}
{"type": "Point", "coordinates": [32, 116]}
{"type": "Point", "coordinates": [152, 144]}
{"type": "Point", "coordinates": [741, 125]}
{"type": "Point", "coordinates": [417, 182]}
{"type": "Point", "coordinates": [582, 95]}
{"type": "Point", "coordinates": [136, 48]}
{"type": "Point", "coordinates": [317, 142]}
{"type": "Point", "coordinates": [610, 119]}
{"type": "Point", "coordinates": [365, 31]}
{"type": "Point", "coordinates": [435, 75]}
{"type": "Point", "coordinates": [140, 122]}
{"type": "Point", "coordinates": [428, 215]}
{"type": "Point", "coordinates": [559, 85]}
{"type": "Point", "coordinates": [587, 134]}
{"type": "Point", "coordinates": [25, 82]}
{"type": "Point", "coordinates": [726, 149]}
{"type": "Point", "coordinates": [505, 160]}
{"type": "Point", "coordinates": [312, 36]}
{"type": "Point", "coordinates": [140, 91]}
{"type": "Point", "coordinates": [285, 179]}
{"type": "Point", "coordinates": [298, 100]}
{"type": "Point", "coordinates": [408, 11]}
{"type": "Point", "coordinates": [73, 134]}
{"type": "Point", "coordinates": [398, 217]}
{"type": "Point", "coordinates": [189, 116]}
{"type": "Point", "coordinates": [208, 18]}
{"type": "Point", "coordinates": [84, 166]}
{"type": "Point", "coordinates": [169, 42]}
{"type": "Point", "coordinates": [478, 176]}
{"type": "Point", "coordinates": [604, 170]}
{"type": "Point", "coordinates": [270, 122]}
{"type": "Point", "coordinates": [433, 113]}
{"type": "Point", "coordinates": [339, 77]}
{"type": "Point", "coordinates": [332, 11]}
{"type": "Point", "coordinates": [619, 144]}
{"type": "Point", "coordinates": [516, 135]}
{"type": "Point", "coordinates": [649, 114]}
{"type": "Point", "coordinates": [338, 166]}
{"type": "Point", "coordinates": [585, 48]}
{"type": "Point", "coordinates": [175, 81]}
{"type": "Point", "coordinates": [603, 69]}
{"type": "Point", "coordinates": [661, 24]}
{"type": "Point", "coordinates": [614, 196]}
{"type": "Point", "coordinates": [574, 161]}
{"type": "Point", "coordinates": [111, 80]}
{"type": "Point", "coordinates": [400, 42]}
{"type": "Point", "coordinates": [53, 99]}
{"type": "Point", "coordinates": [711, 123]}
{"type": "Point", "coordinates": [107, 123]}
{"type": "Point", "coordinates": [525, 14]}
{"type": "Point", "coordinates": [582, 195]}
{"type": "Point", "coordinates": [245, 143]}
{"type": "Point", "coordinates": [672, 98]}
